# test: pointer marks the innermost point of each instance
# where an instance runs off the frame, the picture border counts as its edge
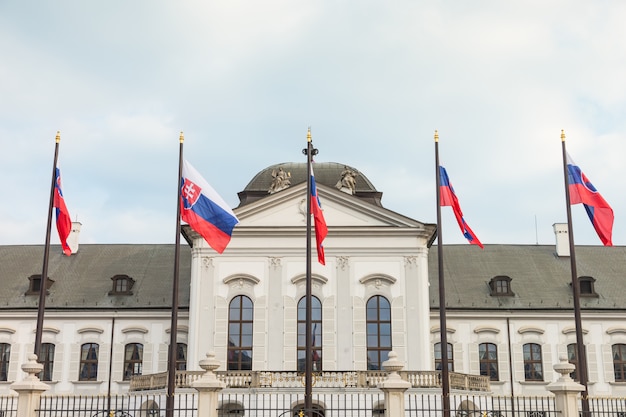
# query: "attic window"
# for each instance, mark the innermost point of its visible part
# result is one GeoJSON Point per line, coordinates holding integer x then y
{"type": "Point", "coordinates": [587, 287]}
{"type": "Point", "coordinates": [500, 286]}
{"type": "Point", "coordinates": [35, 284]}
{"type": "Point", "coordinates": [122, 285]}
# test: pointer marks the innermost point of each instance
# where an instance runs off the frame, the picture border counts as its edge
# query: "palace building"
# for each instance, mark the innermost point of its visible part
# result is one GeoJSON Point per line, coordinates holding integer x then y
{"type": "Point", "coordinates": [509, 307]}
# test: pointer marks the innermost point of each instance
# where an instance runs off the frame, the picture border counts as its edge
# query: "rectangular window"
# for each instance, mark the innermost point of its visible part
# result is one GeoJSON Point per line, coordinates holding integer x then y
{"type": "Point", "coordinates": [88, 362]}
{"type": "Point", "coordinates": [533, 367]}
{"type": "Point", "coordinates": [133, 360]}
{"type": "Point", "coordinates": [5, 356]}
{"type": "Point", "coordinates": [46, 358]}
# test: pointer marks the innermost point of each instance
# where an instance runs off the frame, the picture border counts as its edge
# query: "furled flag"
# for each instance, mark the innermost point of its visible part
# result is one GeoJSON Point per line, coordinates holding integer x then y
{"type": "Point", "coordinates": [64, 222]}
{"type": "Point", "coordinates": [321, 230]}
{"type": "Point", "coordinates": [581, 190]}
{"type": "Point", "coordinates": [448, 198]}
{"type": "Point", "coordinates": [204, 210]}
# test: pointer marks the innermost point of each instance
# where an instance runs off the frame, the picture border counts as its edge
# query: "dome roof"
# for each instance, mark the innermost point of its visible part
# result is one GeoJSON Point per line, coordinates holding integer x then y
{"type": "Point", "coordinates": [329, 174]}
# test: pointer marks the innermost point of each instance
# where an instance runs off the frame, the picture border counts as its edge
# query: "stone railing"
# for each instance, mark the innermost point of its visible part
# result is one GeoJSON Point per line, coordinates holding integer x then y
{"type": "Point", "coordinates": [325, 379]}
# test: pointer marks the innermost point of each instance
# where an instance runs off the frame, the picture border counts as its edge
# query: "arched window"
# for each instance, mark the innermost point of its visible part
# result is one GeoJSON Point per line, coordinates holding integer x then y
{"type": "Point", "coordinates": [5, 356]}
{"type": "Point", "coordinates": [378, 316]}
{"type": "Point", "coordinates": [533, 366]}
{"type": "Point", "coordinates": [438, 366]}
{"type": "Point", "coordinates": [619, 362]}
{"type": "Point", "coordinates": [240, 316]}
{"type": "Point", "coordinates": [181, 356]}
{"type": "Point", "coordinates": [46, 358]}
{"type": "Point", "coordinates": [488, 357]}
{"type": "Point", "coordinates": [133, 360]}
{"type": "Point", "coordinates": [316, 333]}
{"type": "Point", "coordinates": [88, 362]}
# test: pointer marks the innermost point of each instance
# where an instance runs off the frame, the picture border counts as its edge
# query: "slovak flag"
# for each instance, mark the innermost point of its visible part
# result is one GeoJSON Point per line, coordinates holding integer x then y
{"type": "Point", "coordinates": [204, 210]}
{"type": "Point", "coordinates": [64, 222]}
{"type": "Point", "coordinates": [448, 198]}
{"type": "Point", "coordinates": [581, 190]}
{"type": "Point", "coordinates": [321, 230]}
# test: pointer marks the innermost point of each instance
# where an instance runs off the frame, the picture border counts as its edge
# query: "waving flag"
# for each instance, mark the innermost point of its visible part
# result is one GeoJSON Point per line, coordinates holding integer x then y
{"type": "Point", "coordinates": [63, 220]}
{"type": "Point", "coordinates": [321, 230]}
{"type": "Point", "coordinates": [204, 210]}
{"type": "Point", "coordinates": [581, 190]}
{"type": "Point", "coordinates": [448, 198]}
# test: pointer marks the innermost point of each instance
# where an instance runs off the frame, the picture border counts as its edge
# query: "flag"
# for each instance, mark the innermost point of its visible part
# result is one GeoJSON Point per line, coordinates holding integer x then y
{"type": "Point", "coordinates": [448, 198]}
{"type": "Point", "coordinates": [581, 190]}
{"type": "Point", "coordinates": [204, 210]}
{"type": "Point", "coordinates": [64, 222]}
{"type": "Point", "coordinates": [321, 230]}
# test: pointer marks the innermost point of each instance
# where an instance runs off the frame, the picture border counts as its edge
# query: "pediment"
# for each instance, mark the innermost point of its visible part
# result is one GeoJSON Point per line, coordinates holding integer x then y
{"type": "Point", "coordinates": [287, 208]}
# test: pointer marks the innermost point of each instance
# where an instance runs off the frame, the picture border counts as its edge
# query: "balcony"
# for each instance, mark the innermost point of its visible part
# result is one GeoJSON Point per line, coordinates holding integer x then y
{"type": "Point", "coordinates": [325, 379]}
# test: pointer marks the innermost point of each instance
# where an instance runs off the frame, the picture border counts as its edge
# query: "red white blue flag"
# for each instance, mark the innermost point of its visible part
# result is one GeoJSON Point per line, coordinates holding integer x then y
{"type": "Point", "coordinates": [582, 191]}
{"type": "Point", "coordinates": [204, 210]}
{"type": "Point", "coordinates": [448, 198]}
{"type": "Point", "coordinates": [321, 230]}
{"type": "Point", "coordinates": [63, 220]}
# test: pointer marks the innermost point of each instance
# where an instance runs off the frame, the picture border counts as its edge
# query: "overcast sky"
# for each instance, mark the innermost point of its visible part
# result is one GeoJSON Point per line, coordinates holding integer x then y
{"type": "Point", "coordinates": [373, 79]}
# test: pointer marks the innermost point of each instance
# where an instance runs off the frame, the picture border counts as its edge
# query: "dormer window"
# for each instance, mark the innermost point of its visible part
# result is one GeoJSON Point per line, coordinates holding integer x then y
{"type": "Point", "coordinates": [122, 285]}
{"type": "Point", "coordinates": [35, 284]}
{"type": "Point", "coordinates": [500, 286]}
{"type": "Point", "coordinates": [586, 285]}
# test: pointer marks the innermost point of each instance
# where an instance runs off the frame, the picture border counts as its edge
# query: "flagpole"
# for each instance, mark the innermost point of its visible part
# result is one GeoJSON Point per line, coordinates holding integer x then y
{"type": "Point", "coordinates": [171, 360]}
{"type": "Point", "coordinates": [443, 332]}
{"type": "Point", "coordinates": [580, 347]}
{"type": "Point", "coordinates": [308, 368]}
{"type": "Point", "coordinates": [46, 254]}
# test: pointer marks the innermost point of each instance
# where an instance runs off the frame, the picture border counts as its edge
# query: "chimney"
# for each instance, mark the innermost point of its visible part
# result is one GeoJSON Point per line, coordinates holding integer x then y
{"type": "Point", "coordinates": [562, 239]}
{"type": "Point", "coordinates": [72, 239]}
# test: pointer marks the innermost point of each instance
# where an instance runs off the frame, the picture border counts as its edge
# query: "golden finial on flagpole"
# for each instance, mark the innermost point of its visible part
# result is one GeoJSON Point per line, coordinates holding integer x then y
{"type": "Point", "coordinates": [182, 138]}
{"type": "Point", "coordinates": [58, 137]}
{"type": "Point", "coordinates": [308, 134]}
{"type": "Point", "coordinates": [562, 135]}
{"type": "Point", "coordinates": [436, 136]}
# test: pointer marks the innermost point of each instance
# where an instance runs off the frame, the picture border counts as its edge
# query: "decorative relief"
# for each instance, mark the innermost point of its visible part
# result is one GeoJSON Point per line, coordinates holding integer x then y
{"type": "Point", "coordinates": [207, 261]}
{"type": "Point", "coordinates": [302, 208]}
{"type": "Point", "coordinates": [342, 262]}
{"type": "Point", "coordinates": [280, 180]}
{"type": "Point", "coordinates": [275, 262]}
{"type": "Point", "coordinates": [410, 261]}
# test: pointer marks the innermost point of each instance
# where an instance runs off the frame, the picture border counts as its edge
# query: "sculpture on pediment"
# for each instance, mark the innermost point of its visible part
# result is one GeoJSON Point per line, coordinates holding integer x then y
{"type": "Point", "coordinates": [347, 182]}
{"type": "Point", "coordinates": [280, 180]}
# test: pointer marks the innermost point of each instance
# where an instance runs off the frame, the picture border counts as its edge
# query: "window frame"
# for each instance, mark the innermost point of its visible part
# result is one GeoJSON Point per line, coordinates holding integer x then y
{"type": "Point", "coordinates": [236, 350]}
{"type": "Point", "coordinates": [500, 286]}
{"type": "Point", "coordinates": [181, 359]}
{"type": "Point", "coordinates": [5, 360]}
{"type": "Point", "coordinates": [531, 360]}
{"type": "Point", "coordinates": [316, 324]}
{"type": "Point", "coordinates": [488, 362]}
{"type": "Point", "coordinates": [132, 366]}
{"type": "Point", "coordinates": [122, 285]}
{"type": "Point", "coordinates": [46, 358]}
{"type": "Point", "coordinates": [619, 365]}
{"type": "Point", "coordinates": [88, 366]}
{"type": "Point", "coordinates": [438, 359]}
{"type": "Point", "coordinates": [378, 350]}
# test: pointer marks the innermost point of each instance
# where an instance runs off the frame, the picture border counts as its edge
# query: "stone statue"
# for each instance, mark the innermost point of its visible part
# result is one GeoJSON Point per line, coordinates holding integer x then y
{"type": "Point", "coordinates": [280, 180]}
{"type": "Point", "coordinates": [348, 180]}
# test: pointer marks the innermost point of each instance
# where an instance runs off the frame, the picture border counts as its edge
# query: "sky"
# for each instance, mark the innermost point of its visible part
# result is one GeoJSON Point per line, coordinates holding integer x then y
{"type": "Point", "coordinates": [373, 79]}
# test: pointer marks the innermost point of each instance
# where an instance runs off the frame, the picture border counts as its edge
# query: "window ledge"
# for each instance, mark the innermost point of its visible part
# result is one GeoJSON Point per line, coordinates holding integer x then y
{"type": "Point", "coordinates": [87, 382]}
{"type": "Point", "coordinates": [530, 383]}
{"type": "Point", "coordinates": [618, 383]}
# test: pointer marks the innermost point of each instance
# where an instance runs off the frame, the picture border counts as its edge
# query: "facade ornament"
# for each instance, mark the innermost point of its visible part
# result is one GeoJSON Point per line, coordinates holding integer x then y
{"type": "Point", "coordinates": [207, 262]}
{"type": "Point", "coordinates": [347, 183]}
{"type": "Point", "coordinates": [280, 180]}
{"type": "Point", "coordinates": [410, 260]}
{"type": "Point", "coordinates": [342, 262]}
{"type": "Point", "coordinates": [275, 262]}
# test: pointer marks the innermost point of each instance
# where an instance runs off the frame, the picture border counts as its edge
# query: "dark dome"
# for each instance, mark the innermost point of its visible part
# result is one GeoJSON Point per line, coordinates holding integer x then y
{"type": "Point", "coordinates": [326, 173]}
